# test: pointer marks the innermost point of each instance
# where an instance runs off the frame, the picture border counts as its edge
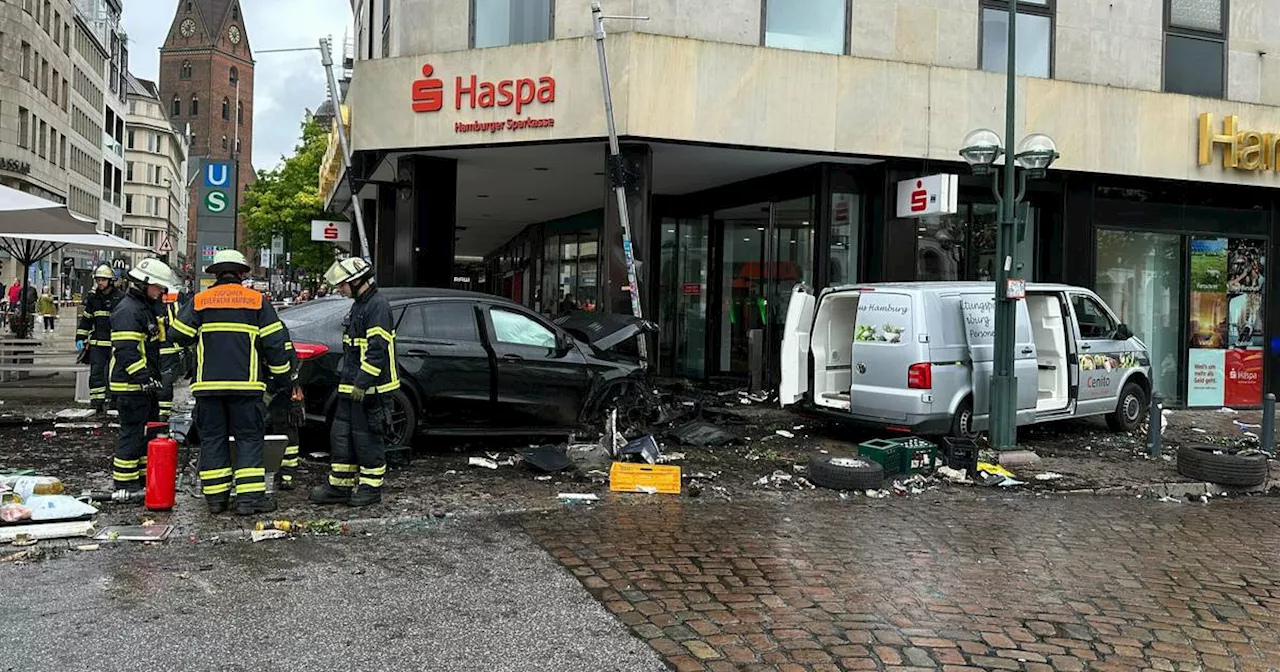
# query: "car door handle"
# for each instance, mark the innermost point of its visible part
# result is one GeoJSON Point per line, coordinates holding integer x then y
{"type": "Point", "coordinates": [1027, 351]}
{"type": "Point", "coordinates": [1086, 346]}
{"type": "Point", "coordinates": [512, 357]}
{"type": "Point", "coordinates": [416, 353]}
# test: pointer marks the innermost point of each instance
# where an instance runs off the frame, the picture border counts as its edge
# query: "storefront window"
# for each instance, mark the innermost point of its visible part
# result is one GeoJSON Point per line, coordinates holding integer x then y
{"type": "Point", "coordinates": [807, 25]}
{"type": "Point", "coordinates": [569, 272]}
{"type": "Point", "coordinates": [1139, 275]}
{"type": "Point", "coordinates": [1035, 38]}
{"type": "Point", "coordinates": [497, 23]}
{"type": "Point", "coordinates": [846, 230]}
{"type": "Point", "coordinates": [683, 297]}
{"type": "Point", "coordinates": [1224, 365]}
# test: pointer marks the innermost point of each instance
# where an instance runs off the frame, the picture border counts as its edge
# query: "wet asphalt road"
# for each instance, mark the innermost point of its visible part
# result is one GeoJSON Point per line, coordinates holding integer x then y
{"type": "Point", "coordinates": [462, 595]}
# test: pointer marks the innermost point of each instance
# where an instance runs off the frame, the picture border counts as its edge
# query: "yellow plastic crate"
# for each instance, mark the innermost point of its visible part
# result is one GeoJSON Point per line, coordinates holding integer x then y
{"type": "Point", "coordinates": [632, 477]}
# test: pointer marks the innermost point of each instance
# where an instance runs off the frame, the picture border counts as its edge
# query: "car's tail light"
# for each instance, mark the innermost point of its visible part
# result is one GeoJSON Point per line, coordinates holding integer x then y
{"type": "Point", "coordinates": [309, 350]}
{"type": "Point", "coordinates": [920, 376]}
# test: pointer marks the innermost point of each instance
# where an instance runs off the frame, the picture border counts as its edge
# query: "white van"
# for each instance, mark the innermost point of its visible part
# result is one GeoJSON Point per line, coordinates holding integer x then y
{"type": "Point", "coordinates": [917, 357]}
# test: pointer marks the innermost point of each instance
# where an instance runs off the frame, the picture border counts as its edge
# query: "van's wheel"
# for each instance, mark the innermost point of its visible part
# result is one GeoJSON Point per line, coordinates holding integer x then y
{"type": "Point", "coordinates": [962, 423]}
{"type": "Point", "coordinates": [1131, 409]}
{"type": "Point", "coordinates": [845, 473]}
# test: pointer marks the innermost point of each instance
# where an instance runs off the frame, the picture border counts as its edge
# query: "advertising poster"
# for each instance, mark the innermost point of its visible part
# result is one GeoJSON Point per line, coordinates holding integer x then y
{"type": "Point", "coordinates": [1246, 273]}
{"type": "Point", "coordinates": [1209, 328]}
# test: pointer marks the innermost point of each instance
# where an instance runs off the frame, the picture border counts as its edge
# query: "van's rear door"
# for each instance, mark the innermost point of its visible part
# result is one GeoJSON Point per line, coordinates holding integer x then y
{"type": "Point", "coordinates": [885, 346]}
{"type": "Point", "coordinates": [796, 334]}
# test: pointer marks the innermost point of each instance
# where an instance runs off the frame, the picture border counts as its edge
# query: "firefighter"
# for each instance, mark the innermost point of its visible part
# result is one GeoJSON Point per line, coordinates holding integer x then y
{"type": "Point", "coordinates": [170, 352]}
{"type": "Point", "coordinates": [135, 367]}
{"type": "Point", "coordinates": [365, 383]}
{"type": "Point", "coordinates": [287, 417]}
{"type": "Point", "coordinates": [94, 332]}
{"type": "Point", "coordinates": [238, 331]}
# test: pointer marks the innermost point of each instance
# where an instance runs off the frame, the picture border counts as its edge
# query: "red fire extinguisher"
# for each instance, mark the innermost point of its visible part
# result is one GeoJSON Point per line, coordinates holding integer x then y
{"type": "Point", "coordinates": [162, 473]}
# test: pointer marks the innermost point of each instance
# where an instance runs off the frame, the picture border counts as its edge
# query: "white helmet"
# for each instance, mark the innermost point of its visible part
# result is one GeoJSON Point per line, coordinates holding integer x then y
{"type": "Point", "coordinates": [154, 272]}
{"type": "Point", "coordinates": [351, 269]}
{"type": "Point", "coordinates": [228, 261]}
{"type": "Point", "coordinates": [104, 272]}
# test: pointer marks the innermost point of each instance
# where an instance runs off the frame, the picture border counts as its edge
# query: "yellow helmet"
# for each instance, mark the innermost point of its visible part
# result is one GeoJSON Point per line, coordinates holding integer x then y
{"type": "Point", "coordinates": [351, 269]}
{"type": "Point", "coordinates": [104, 272]}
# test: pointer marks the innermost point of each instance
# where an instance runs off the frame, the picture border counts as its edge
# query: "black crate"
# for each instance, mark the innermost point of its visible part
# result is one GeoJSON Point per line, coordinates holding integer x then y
{"type": "Point", "coordinates": [961, 454]}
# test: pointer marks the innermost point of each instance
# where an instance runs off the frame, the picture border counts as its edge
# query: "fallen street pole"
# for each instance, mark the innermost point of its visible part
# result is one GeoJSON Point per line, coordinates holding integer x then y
{"type": "Point", "coordinates": [617, 177]}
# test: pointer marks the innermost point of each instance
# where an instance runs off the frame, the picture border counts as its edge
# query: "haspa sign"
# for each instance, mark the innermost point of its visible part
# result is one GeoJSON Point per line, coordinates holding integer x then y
{"type": "Point", "coordinates": [429, 95]}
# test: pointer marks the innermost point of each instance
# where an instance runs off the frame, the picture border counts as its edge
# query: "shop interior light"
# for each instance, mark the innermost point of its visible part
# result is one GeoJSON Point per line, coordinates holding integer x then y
{"type": "Point", "coordinates": [980, 150]}
{"type": "Point", "coordinates": [1035, 154]}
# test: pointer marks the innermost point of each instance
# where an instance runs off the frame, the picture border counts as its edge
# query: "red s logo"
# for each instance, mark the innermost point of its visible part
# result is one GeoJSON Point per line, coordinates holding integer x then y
{"type": "Point", "coordinates": [331, 232]}
{"type": "Point", "coordinates": [919, 198]}
{"type": "Point", "coordinates": [428, 93]}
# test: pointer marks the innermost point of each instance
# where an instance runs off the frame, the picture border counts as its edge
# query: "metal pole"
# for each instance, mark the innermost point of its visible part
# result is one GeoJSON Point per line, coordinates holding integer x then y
{"type": "Point", "coordinates": [1269, 423]}
{"type": "Point", "coordinates": [326, 59]}
{"type": "Point", "coordinates": [1004, 385]}
{"type": "Point", "coordinates": [617, 177]}
{"type": "Point", "coordinates": [1155, 423]}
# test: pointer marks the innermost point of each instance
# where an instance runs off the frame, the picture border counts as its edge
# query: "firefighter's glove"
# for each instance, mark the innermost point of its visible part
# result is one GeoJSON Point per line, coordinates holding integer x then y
{"type": "Point", "coordinates": [152, 387]}
{"type": "Point", "coordinates": [297, 414]}
{"type": "Point", "coordinates": [357, 394]}
{"type": "Point", "coordinates": [79, 345]}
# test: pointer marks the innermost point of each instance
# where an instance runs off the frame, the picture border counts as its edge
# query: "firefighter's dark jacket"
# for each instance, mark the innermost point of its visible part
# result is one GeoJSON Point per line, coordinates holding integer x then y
{"type": "Point", "coordinates": [368, 347]}
{"type": "Point", "coordinates": [94, 325]}
{"type": "Point", "coordinates": [235, 331]}
{"type": "Point", "coordinates": [135, 343]}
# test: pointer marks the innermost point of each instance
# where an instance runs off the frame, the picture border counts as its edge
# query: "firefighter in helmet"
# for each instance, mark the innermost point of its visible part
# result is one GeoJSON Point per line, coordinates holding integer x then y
{"type": "Point", "coordinates": [170, 351]}
{"type": "Point", "coordinates": [135, 367]}
{"type": "Point", "coordinates": [93, 332]}
{"type": "Point", "coordinates": [238, 331]}
{"type": "Point", "coordinates": [365, 383]}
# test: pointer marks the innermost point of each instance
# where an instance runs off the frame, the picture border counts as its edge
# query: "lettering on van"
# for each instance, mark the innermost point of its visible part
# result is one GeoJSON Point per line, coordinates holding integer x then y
{"type": "Point", "coordinates": [979, 320]}
{"type": "Point", "coordinates": [883, 318]}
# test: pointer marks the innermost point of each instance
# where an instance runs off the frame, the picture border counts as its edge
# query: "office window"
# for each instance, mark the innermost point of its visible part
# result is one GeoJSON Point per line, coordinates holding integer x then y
{"type": "Point", "coordinates": [53, 90]}
{"type": "Point", "coordinates": [1035, 37]}
{"type": "Point", "coordinates": [62, 151]}
{"type": "Point", "coordinates": [66, 38]}
{"type": "Point", "coordinates": [226, 109]}
{"type": "Point", "coordinates": [195, 104]}
{"type": "Point", "coordinates": [44, 139]}
{"type": "Point", "coordinates": [24, 127]}
{"type": "Point", "coordinates": [128, 170]}
{"type": "Point", "coordinates": [1195, 47]}
{"type": "Point", "coordinates": [128, 203]}
{"type": "Point", "coordinates": [186, 70]}
{"type": "Point", "coordinates": [150, 239]}
{"type": "Point", "coordinates": [55, 28]}
{"type": "Point", "coordinates": [130, 142]}
{"type": "Point", "coordinates": [496, 23]}
{"type": "Point", "coordinates": [65, 99]}
{"type": "Point", "coordinates": [807, 25]}
{"type": "Point", "coordinates": [44, 76]}
{"type": "Point", "coordinates": [26, 60]}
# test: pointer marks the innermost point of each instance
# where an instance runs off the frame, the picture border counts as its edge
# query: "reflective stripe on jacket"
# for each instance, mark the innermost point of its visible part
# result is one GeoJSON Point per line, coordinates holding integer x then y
{"type": "Point", "coordinates": [94, 324]}
{"type": "Point", "coordinates": [369, 347]}
{"type": "Point", "coordinates": [236, 333]}
{"type": "Point", "coordinates": [135, 344]}
{"type": "Point", "coordinates": [166, 313]}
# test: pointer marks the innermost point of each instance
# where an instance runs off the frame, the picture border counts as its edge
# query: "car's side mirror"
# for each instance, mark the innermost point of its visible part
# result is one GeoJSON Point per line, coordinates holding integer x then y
{"type": "Point", "coordinates": [1123, 332]}
{"type": "Point", "coordinates": [564, 342]}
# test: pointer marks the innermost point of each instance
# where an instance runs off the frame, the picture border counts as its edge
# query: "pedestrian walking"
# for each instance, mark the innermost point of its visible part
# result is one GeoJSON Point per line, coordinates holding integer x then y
{"type": "Point", "coordinates": [365, 383]}
{"type": "Point", "coordinates": [48, 309]}
{"type": "Point", "coordinates": [239, 332]}
{"type": "Point", "coordinates": [135, 367]}
{"type": "Point", "coordinates": [94, 332]}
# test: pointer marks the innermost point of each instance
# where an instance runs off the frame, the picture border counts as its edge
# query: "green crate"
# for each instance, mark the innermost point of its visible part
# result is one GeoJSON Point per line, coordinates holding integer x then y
{"type": "Point", "coordinates": [885, 452]}
{"type": "Point", "coordinates": [918, 456]}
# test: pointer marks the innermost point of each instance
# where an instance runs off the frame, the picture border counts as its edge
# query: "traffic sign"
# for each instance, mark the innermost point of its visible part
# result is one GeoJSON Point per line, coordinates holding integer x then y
{"type": "Point", "coordinates": [166, 245]}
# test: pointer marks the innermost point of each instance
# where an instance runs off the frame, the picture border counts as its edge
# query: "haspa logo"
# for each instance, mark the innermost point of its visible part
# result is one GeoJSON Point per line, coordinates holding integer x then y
{"type": "Point", "coordinates": [919, 197]}
{"type": "Point", "coordinates": [428, 93]}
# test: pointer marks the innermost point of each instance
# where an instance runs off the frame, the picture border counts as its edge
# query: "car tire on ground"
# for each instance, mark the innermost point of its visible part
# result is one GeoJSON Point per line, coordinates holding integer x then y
{"type": "Point", "coordinates": [1201, 462]}
{"type": "Point", "coordinates": [845, 473]}
{"type": "Point", "coordinates": [1131, 409]}
{"type": "Point", "coordinates": [962, 422]}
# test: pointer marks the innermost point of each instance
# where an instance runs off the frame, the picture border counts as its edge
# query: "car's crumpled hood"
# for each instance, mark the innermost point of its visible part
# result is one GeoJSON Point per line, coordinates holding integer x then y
{"type": "Point", "coordinates": [602, 330]}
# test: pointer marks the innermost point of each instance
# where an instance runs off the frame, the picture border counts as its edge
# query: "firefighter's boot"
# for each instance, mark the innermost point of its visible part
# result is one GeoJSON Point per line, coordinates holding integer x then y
{"type": "Point", "coordinates": [330, 494]}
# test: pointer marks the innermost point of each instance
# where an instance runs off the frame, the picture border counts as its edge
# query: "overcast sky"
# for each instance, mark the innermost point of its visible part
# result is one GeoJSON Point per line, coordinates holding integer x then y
{"type": "Point", "coordinates": [285, 84]}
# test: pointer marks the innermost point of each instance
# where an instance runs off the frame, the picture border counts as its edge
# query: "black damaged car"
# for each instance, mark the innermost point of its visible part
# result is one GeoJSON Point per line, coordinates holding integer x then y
{"type": "Point", "coordinates": [475, 364]}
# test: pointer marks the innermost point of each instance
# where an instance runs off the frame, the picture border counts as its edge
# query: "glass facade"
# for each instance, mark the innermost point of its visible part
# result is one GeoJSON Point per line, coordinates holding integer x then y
{"type": "Point", "coordinates": [962, 246]}
{"type": "Point", "coordinates": [569, 271]}
{"type": "Point", "coordinates": [806, 25]}
{"type": "Point", "coordinates": [496, 23]}
{"type": "Point", "coordinates": [1035, 42]}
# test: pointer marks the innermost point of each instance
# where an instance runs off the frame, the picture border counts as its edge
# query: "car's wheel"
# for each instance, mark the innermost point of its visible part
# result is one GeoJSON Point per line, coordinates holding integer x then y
{"type": "Point", "coordinates": [1222, 465]}
{"type": "Point", "coordinates": [404, 419]}
{"type": "Point", "coordinates": [845, 473]}
{"type": "Point", "coordinates": [962, 422]}
{"type": "Point", "coordinates": [1131, 409]}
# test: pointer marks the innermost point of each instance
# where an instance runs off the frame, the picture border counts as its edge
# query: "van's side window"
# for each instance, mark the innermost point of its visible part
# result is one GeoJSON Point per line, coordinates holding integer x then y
{"type": "Point", "coordinates": [1094, 320]}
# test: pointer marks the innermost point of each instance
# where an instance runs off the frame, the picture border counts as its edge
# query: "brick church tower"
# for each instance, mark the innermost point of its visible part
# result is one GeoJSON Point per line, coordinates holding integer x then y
{"type": "Point", "coordinates": [206, 82]}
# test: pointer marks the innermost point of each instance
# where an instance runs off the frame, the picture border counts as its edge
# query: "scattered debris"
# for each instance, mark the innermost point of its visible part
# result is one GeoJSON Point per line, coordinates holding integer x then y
{"type": "Point", "coordinates": [318, 456]}
{"type": "Point", "coordinates": [57, 507]}
{"type": "Point", "coordinates": [646, 447]}
{"type": "Point", "coordinates": [1224, 409]}
{"type": "Point", "coordinates": [670, 457]}
{"type": "Point", "coordinates": [700, 433]}
{"type": "Point", "coordinates": [877, 494]}
{"type": "Point", "coordinates": [61, 530]}
{"type": "Point", "coordinates": [785, 434]}
{"type": "Point", "coordinates": [544, 477]}
{"type": "Point", "coordinates": [48, 434]}
{"type": "Point", "coordinates": [74, 414]}
{"type": "Point", "coordinates": [135, 533]}
{"type": "Point", "coordinates": [997, 475]}
{"type": "Point", "coordinates": [1049, 476]}
{"type": "Point", "coordinates": [547, 458]}
{"type": "Point", "coordinates": [18, 556]}
{"type": "Point", "coordinates": [263, 535]}
{"type": "Point", "coordinates": [1171, 500]}
{"type": "Point", "coordinates": [482, 462]}
{"type": "Point", "coordinates": [954, 475]}
{"type": "Point", "coordinates": [631, 477]}
{"type": "Point", "coordinates": [77, 425]}
{"type": "Point", "coordinates": [577, 498]}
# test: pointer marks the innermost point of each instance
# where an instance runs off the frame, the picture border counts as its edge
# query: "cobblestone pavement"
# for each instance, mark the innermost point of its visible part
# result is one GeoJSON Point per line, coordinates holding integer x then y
{"type": "Point", "coordinates": [1005, 584]}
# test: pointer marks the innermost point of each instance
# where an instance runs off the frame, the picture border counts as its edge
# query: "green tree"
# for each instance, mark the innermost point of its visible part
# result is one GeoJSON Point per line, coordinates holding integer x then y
{"type": "Point", "coordinates": [285, 199]}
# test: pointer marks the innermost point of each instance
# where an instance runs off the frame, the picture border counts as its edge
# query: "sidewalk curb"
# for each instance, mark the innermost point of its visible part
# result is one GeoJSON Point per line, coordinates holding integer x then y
{"type": "Point", "coordinates": [1175, 489]}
